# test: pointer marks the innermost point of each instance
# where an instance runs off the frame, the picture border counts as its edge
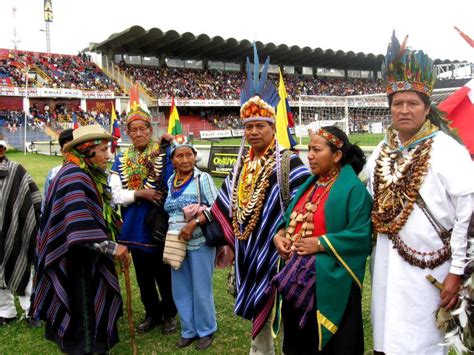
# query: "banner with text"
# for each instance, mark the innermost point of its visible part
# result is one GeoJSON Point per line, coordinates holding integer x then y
{"type": "Point", "coordinates": [53, 93]}
{"type": "Point", "coordinates": [200, 103]}
{"type": "Point", "coordinates": [222, 160]}
{"type": "Point", "coordinates": [226, 133]}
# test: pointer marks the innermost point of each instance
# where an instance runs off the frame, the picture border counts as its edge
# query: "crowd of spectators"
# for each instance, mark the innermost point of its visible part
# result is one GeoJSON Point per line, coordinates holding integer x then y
{"type": "Point", "coordinates": [217, 84]}
{"type": "Point", "coordinates": [362, 123]}
{"type": "Point", "coordinates": [60, 116]}
{"type": "Point", "coordinates": [187, 83]}
{"type": "Point", "coordinates": [79, 72]}
{"type": "Point", "coordinates": [54, 71]}
{"type": "Point", "coordinates": [228, 118]}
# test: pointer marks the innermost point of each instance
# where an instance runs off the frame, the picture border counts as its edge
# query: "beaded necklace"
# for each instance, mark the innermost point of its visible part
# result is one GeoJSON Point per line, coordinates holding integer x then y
{"type": "Point", "coordinates": [180, 184]}
{"type": "Point", "coordinates": [305, 214]}
{"type": "Point", "coordinates": [397, 181]}
{"type": "Point", "coordinates": [249, 194]}
{"type": "Point", "coordinates": [141, 170]}
{"type": "Point", "coordinates": [250, 173]}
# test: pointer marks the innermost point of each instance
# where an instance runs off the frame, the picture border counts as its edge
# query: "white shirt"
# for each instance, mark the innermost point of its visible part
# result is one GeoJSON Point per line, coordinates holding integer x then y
{"type": "Point", "coordinates": [403, 301]}
{"type": "Point", "coordinates": [120, 196]}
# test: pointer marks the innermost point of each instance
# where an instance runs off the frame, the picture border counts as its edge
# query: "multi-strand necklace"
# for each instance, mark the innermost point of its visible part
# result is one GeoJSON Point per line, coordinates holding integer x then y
{"type": "Point", "coordinates": [249, 194]}
{"type": "Point", "coordinates": [305, 213]}
{"type": "Point", "coordinates": [397, 181]}
{"type": "Point", "coordinates": [180, 183]}
{"type": "Point", "coordinates": [142, 169]}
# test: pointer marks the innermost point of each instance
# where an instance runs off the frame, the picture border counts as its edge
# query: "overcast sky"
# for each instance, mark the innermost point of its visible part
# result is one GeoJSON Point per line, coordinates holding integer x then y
{"type": "Point", "coordinates": [360, 26]}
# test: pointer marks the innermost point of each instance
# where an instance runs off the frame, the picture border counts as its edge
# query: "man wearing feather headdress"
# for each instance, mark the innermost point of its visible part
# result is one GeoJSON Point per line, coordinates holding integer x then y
{"type": "Point", "coordinates": [251, 203]}
{"type": "Point", "coordinates": [138, 183]}
{"type": "Point", "coordinates": [421, 181]}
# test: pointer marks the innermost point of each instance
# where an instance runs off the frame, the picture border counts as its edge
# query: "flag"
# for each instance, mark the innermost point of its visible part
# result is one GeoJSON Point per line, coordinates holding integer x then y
{"type": "Point", "coordinates": [74, 121]}
{"type": "Point", "coordinates": [114, 129]}
{"type": "Point", "coordinates": [134, 97]}
{"type": "Point", "coordinates": [468, 39]}
{"type": "Point", "coordinates": [284, 118]}
{"type": "Point", "coordinates": [459, 108]}
{"type": "Point", "coordinates": [174, 125]}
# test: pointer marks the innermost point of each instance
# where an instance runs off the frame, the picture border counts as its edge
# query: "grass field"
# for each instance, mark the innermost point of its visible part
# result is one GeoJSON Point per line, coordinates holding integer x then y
{"type": "Point", "coordinates": [233, 333]}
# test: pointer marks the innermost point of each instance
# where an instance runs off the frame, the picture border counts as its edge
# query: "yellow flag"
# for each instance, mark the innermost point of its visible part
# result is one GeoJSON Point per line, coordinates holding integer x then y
{"type": "Point", "coordinates": [282, 116]}
{"type": "Point", "coordinates": [174, 125]}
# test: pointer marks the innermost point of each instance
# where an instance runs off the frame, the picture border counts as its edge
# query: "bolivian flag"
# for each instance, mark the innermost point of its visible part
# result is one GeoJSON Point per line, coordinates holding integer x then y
{"type": "Point", "coordinates": [174, 125]}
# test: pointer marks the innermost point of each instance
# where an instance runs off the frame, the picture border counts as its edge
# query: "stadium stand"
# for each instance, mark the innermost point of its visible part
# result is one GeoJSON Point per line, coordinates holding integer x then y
{"type": "Point", "coordinates": [54, 71]}
{"type": "Point", "coordinates": [216, 84]}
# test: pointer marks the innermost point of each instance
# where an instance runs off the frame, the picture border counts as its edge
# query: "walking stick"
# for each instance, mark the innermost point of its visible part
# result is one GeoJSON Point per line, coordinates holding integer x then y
{"type": "Point", "coordinates": [435, 282]}
{"type": "Point", "coordinates": [131, 326]}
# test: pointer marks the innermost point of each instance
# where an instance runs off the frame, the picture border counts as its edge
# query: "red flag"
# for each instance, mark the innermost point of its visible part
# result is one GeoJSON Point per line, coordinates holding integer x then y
{"type": "Point", "coordinates": [134, 97]}
{"type": "Point", "coordinates": [75, 124]}
{"type": "Point", "coordinates": [459, 108]}
{"type": "Point", "coordinates": [468, 39]}
{"type": "Point", "coordinates": [115, 129]}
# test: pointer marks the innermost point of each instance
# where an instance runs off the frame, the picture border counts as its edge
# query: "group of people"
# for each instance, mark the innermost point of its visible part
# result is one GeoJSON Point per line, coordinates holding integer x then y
{"type": "Point", "coordinates": [187, 83]}
{"type": "Point", "coordinates": [300, 237]}
{"type": "Point", "coordinates": [225, 85]}
{"type": "Point", "coordinates": [63, 71]}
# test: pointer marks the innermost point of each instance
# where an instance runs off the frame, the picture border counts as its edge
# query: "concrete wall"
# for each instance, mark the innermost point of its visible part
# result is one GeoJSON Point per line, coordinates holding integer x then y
{"type": "Point", "coordinates": [204, 151]}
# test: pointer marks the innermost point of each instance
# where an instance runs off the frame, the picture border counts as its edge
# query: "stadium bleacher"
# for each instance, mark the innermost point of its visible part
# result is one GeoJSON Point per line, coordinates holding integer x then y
{"type": "Point", "coordinates": [54, 71]}
{"type": "Point", "coordinates": [217, 84]}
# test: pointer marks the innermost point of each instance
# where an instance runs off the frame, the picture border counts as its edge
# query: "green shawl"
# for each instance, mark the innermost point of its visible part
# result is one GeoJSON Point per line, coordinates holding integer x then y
{"type": "Point", "coordinates": [347, 244]}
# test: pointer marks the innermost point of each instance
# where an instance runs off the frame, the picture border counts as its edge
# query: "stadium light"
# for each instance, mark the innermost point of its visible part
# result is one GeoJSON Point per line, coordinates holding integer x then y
{"type": "Point", "coordinates": [27, 69]}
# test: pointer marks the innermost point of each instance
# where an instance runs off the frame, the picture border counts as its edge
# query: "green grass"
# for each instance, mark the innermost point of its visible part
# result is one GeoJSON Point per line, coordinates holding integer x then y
{"type": "Point", "coordinates": [233, 334]}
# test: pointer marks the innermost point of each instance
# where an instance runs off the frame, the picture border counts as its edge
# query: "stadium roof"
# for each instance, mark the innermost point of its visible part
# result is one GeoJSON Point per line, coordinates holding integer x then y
{"type": "Point", "coordinates": [154, 42]}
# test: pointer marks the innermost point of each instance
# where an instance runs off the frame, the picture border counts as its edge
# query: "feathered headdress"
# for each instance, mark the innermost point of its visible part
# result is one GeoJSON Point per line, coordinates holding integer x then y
{"type": "Point", "coordinates": [136, 112]}
{"type": "Point", "coordinates": [258, 98]}
{"type": "Point", "coordinates": [407, 70]}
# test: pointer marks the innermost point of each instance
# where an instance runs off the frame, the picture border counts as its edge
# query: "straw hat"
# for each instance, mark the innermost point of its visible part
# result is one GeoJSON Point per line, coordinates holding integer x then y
{"type": "Point", "coordinates": [88, 133]}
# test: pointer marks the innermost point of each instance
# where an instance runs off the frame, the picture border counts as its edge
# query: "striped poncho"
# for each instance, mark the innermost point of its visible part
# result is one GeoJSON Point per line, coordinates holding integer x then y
{"type": "Point", "coordinates": [20, 203]}
{"type": "Point", "coordinates": [256, 258]}
{"type": "Point", "coordinates": [71, 221]}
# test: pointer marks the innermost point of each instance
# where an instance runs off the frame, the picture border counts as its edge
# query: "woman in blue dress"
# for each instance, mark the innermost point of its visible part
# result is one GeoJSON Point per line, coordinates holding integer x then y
{"type": "Point", "coordinates": [192, 282]}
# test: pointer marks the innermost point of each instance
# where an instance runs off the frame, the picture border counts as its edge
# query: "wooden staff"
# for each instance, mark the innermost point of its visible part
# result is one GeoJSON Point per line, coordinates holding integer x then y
{"type": "Point", "coordinates": [131, 326]}
{"type": "Point", "coordinates": [435, 282]}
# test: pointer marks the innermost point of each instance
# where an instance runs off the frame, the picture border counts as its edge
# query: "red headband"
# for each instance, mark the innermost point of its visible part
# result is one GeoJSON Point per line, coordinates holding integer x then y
{"type": "Point", "coordinates": [331, 138]}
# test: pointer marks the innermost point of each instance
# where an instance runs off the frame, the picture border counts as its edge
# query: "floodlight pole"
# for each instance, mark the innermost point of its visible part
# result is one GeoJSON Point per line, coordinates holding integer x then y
{"type": "Point", "coordinates": [48, 38]}
{"type": "Point", "coordinates": [26, 101]}
{"type": "Point", "coordinates": [299, 119]}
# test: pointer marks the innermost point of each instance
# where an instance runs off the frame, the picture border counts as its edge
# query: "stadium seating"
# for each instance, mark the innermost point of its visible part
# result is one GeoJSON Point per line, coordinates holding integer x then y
{"type": "Point", "coordinates": [216, 84]}
{"type": "Point", "coordinates": [54, 70]}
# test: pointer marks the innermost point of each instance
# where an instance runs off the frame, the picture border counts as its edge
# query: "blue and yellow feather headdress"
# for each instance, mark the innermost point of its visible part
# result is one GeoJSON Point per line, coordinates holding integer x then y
{"type": "Point", "coordinates": [258, 98]}
{"type": "Point", "coordinates": [407, 70]}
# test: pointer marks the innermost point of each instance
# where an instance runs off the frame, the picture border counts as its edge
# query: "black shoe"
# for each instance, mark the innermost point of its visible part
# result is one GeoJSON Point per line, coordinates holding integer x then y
{"type": "Point", "coordinates": [205, 342]}
{"type": "Point", "coordinates": [4, 321]}
{"type": "Point", "coordinates": [184, 342]}
{"type": "Point", "coordinates": [33, 323]}
{"type": "Point", "coordinates": [147, 325]}
{"type": "Point", "coordinates": [170, 326]}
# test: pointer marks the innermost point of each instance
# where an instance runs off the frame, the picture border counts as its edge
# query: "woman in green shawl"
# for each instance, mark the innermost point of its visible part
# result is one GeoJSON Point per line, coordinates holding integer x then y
{"type": "Point", "coordinates": [323, 248]}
